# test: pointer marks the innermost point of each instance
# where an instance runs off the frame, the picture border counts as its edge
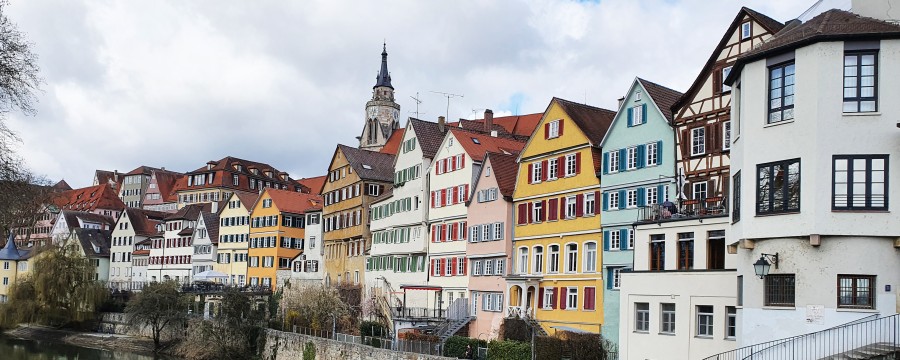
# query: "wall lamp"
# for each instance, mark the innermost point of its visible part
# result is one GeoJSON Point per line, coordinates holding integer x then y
{"type": "Point", "coordinates": [762, 266]}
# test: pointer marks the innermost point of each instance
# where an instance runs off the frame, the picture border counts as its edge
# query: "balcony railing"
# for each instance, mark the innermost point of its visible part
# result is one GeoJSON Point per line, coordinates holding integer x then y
{"type": "Point", "coordinates": [519, 312]}
{"type": "Point", "coordinates": [417, 313]}
{"type": "Point", "coordinates": [685, 210]}
{"type": "Point", "coordinates": [867, 338]}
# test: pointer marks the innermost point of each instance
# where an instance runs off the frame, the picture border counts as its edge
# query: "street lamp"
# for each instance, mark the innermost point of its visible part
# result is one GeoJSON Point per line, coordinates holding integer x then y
{"type": "Point", "coordinates": [762, 266]}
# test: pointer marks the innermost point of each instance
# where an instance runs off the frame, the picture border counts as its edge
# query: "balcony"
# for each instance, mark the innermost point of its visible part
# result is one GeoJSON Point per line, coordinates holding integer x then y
{"type": "Point", "coordinates": [685, 210]}
{"type": "Point", "coordinates": [401, 312]}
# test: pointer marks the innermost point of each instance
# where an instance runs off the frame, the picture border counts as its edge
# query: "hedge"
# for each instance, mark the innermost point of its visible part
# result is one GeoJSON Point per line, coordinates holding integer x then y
{"type": "Point", "coordinates": [509, 350]}
{"type": "Point", "coordinates": [455, 346]}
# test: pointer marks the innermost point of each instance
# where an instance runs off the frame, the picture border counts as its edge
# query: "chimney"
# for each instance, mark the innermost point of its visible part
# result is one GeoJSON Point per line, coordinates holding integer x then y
{"type": "Point", "coordinates": [441, 123]}
{"type": "Point", "coordinates": [621, 100]}
{"type": "Point", "coordinates": [488, 120]}
{"type": "Point", "coordinates": [215, 207]}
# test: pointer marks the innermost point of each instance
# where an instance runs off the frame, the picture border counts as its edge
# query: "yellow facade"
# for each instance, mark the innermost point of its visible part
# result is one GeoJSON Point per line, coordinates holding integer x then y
{"type": "Point", "coordinates": [10, 271]}
{"type": "Point", "coordinates": [537, 235]}
{"type": "Point", "coordinates": [234, 231]}
{"type": "Point", "coordinates": [267, 248]}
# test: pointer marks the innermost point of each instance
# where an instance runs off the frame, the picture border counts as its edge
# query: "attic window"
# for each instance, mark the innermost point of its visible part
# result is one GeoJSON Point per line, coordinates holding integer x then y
{"type": "Point", "coordinates": [474, 140]}
{"type": "Point", "coordinates": [367, 167]}
{"type": "Point", "coordinates": [637, 96]}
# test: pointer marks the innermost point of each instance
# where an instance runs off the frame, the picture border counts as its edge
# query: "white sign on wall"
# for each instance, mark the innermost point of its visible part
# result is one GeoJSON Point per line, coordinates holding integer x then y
{"type": "Point", "coordinates": [815, 314]}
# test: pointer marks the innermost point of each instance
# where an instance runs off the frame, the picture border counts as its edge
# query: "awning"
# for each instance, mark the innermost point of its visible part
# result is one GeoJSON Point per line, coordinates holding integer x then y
{"type": "Point", "coordinates": [210, 275]}
{"type": "Point", "coordinates": [571, 329]}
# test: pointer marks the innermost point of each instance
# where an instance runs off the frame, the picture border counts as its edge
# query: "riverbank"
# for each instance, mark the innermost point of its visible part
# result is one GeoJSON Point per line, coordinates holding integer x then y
{"type": "Point", "coordinates": [102, 341]}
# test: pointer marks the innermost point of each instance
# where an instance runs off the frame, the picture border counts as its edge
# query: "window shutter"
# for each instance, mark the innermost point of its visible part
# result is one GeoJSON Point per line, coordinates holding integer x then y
{"type": "Point", "coordinates": [644, 113]}
{"type": "Point", "coordinates": [711, 188]}
{"type": "Point", "coordinates": [433, 273]}
{"type": "Point", "coordinates": [453, 267]}
{"type": "Point", "coordinates": [523, 214]}
{"type": "Point", "coordinates": [605, 205]}
{"type": "Point", "coordinates": [530, 212]}
{"type": "Point", "coordinates": [660, 194]}
{"type": "Point", "coordinates": [451, 232]}
{"type": "Point", "coordinates": [553, 302]}
{"type": "Point", "coordinates": [545, 169]}
{"type": "Point", "coordinates": [560, 127]}
{"type": "Point", "coordinates": [710, 139]}
{"type": "Point", "coordinates": [560, 167]}
{"type": "Point", "coordinates": [540, 298]}
{"type": "Point", "coordinates": [622, 199]}
{"type": "Point", "coordinates": [588, 297]}
{"type": "Point", "coordinates": [462, 161]}
{"type": "Point", "coordinates": [577, 163]}
{"type": "Point", "coordinates": [641, 197]}
{"type": "Point", "coordinates": [546, 130]}
{"type": "Point", "coordinates": [562, 208]}
{"type": "Point", "coordinates": [659, 152]}
{"type": "Point", "coordinates": [562, 297]}
{"type": "Point", "coordinates": [464, 230]}
{"type": "Point", "coordinates": [630, 117]}
{"type": "Point", "coordinates": [552, 205]}
{"type": "Point", "coordinates": [605, 163]}
{"type": "Point", "coordinates": [444, 267]}
{"type": "Point", "coordinates": [606, 240]}
{"type": "Point", "coordinates": [579, 205]}
{"type": "Point", "coordinates": [641, 154]}
{"type": "Point", "coordinates": [685, 143]}
{"type": "Point", "coordinates": [465, 266]}
{"type": "Point", "coordinates": [544, 210]}
{"type": "Point", "coordinates": [609, 278]}
{"type": "Point", "coordinates": [623, 239]}
{"type": "Point", "coordinates": [623, 159]}
{"type": "Point", "coordinates": [453, 191]}
{"type": "Point", "coordinates": [530, 172]}
{"type": "Point", "coordinates": [444, 197]}
{"type": "Point", "coordinates": [466, 193]}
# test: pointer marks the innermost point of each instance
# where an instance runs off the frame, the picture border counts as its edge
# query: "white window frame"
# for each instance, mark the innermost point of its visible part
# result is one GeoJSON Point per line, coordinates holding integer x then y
{"type": "Point", "coordinates": [637, 115]}
{"type": "Point", "coordinates": [571, 165]}
{"type": "Point", "coordinates": [695, 192]}
{"type": "Point", "coordinates": [552, 168]}
{"type": "Point", "coordinates": [590, 204]}
{"type": "Point", "coordinates": [631, 199]}
{"type": "Point", "coordinates": [488, 268]}
{"type": "Point", "coordinates": [698, 141]}
{"type": "Point", "coordinates": [725, 72]}
{"type": "Point", "coordinates": [553, 131]}
{"type": "Point", "coordinates": [652, 156]}
{"type": "Point", "coordinates": [571, 207]}
{"type": "Point", "coordinates": [548, 298]}
{"type": "Point", "coordinates": [523, 260]}
{"type": "Point", "coordinates": [537, 260]}
{"type": "Point", "coordinates": [617, 277]}
{"type": "Point", "coordinates": [705, 328]}
{"type": "Point", "coordinates": [666, 321]}
{"type": "Point", "coordinates": [631, 238]}
{"type": "Point", "coordinates": [615, 240]}
{"type": "Point", "coordinates": [746, 30]}
{"type": "Point", "coordinates": [612, 200]}
{"type": "Point", "coordinates": [641, 318]}
{"type": "Point", "coordinates": [572, 298]}
{"type": "Point", "coordinates": [651, 195]}
{"type": "Point", "coordinates": [631, 154]}
{"type": "Point", "coordinates": [571, 259]}
{"type": "Point", "coordinates": [726, 135]}
{"type": "Point", "coordinates": [590, 257]}
{"type": "Point", "coordinates": [537, 212]}
{"type": "Point", "coordinates": [613, 161]}
{"type": "Point", "coordinates": [553, 259]}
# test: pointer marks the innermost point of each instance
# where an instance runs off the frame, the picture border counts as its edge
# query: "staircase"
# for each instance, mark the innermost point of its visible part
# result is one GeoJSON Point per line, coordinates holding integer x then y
{"type": "Point", "coordinates": [535, 325]}
{"type": "Point", "coordinates": [876, 351]}
{"type": "Point", "coordinates": [449, 328]}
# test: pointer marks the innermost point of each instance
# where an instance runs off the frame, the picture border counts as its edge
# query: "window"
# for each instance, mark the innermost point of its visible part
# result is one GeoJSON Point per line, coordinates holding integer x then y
{"type": "Point", "coordinates": [234, 180]}
{"type": "Point", "coordinates": [698, 141]}
{"type": "Point", "coordinates": [590, 298]}
{"type": "Point", "coordinates": [538, 260]}
{"type": "Point", "coordinates": [667, 319]}
{"type": "Point", "coordinates": [613, 200]}
{"type": "Point", "coordinates": [779, 290]}
{"type": "Point", "coordinates": [571, 258]}
{"type": "Point", "coordinates": [523, 260]}
{"type": "Point", "coordinates": [571, 207]}
{"type": "Point", "coordinates": [658, 252]}
{"type": "Point", "coordinates": [613, 161]}
{"type": "Point", "coordinates": [715, 250]}
{"type": "Point", "coordinates": [632, 157]}
{"type": "Point", "coordinates": [860, 182]}
{"type": "Point", "coordinates": [374, 190]}
{"type": "Point", "coordinates": [267, 203]}
{"type": "Point", "coordinates": [537, 212]}
{"type": "Point", "coordinates": [489, 267]}
{"type": "Point", "coordinates": [778, 187]}
{"type": "Point", "coordinates": [652, 154]}
{"type": "Point", "coordinates": [552, 168]}
{"type": "Point", "coordinates": [617, 277]}
{"type": "Point", "coordinates": [704, 320]}
{"type": "Point", "coordinates": [641, 317]}
{"type": "Point", "coordinates": [571, 165]}
{"type": "Point", "coordinates": [746, 30]}
{"type": "Point", "coordinates": [637, 115]}
{"type": "Point", "coordinates": [615, 239]}
{"type": "Point", "coordinates": [730, 322]}
{"type": "Point", "coordinates": [590, 257]}
{"type": "Point", "coordinates": [553, 265]}
{"type": "Point", "coordinates": [630, 238]}
{"type": "Point", "coordinates": [856, 291]}
{"type": "Point", "coordinates": [685, 251]}
{"type": "Point", "coordinates": [536, 172]}
{"type": "Point", "coordinates": [553, 129]}
{"type": "Point", "coordinates": [781, 93]}
{"type": "Point", "coordinates": [860, 82]}
{"type": "Point", "coordinates": [652, 195]}
{"type": "Point", "coordinates": [589, 204]}
{"type": "Point", "coordinates": [726, 135]}
{"type": "Point", "coordinates": [736, 197]}
{"type": "Point", "coordinates": [572, 298]}
{"type": "Point", "coordinates": [548, 298]}
{"type": "Point", "coordinates": [631, 198]}
{"type": "Point", "coordinates": [725, 72]}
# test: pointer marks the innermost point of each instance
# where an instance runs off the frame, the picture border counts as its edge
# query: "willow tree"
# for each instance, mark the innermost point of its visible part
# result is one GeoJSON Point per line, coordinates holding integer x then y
{"type": "Point", "coordinates": [159, 306]}
{"type": "Point", "coordinates": [60, 289]}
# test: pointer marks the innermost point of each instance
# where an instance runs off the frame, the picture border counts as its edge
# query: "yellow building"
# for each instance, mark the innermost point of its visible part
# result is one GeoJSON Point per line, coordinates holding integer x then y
{"type": "Point", "coordinates": [277, 230]}
{"type": "Point", "coordinates": [13, 265]}
{"type": "Point", "coordinates": [355, 178]}
{"type": "Point", "coordinates": [556, 273]}
{"type": "Point", "coordinates": [234, 237]}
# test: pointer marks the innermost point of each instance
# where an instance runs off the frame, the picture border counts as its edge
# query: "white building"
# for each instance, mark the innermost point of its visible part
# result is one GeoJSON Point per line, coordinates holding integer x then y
{"type": "Point", "coordinates": [307, 268]}
{"type": "Point", "coordinates": [68, 220]}
{"type": "Point", "coordinates": [170, 256]}
{"type": "Point", "coordinates": [206, 242]}
{"type": "Point", "coordinates": [133, 226]}
{"type": "Point", "coordinates": [815, 150]}
{"type": "Point", "coordinates": [139, 260]}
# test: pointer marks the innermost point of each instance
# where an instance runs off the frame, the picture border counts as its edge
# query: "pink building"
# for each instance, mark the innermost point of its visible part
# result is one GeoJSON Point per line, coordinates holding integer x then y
{"type": "Point", "coordinates": [489, 247]}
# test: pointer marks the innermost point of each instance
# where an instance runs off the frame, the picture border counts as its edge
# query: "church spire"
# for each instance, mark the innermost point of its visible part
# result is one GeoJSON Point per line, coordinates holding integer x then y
{"type": "Point", "coordinates": [384, 77]}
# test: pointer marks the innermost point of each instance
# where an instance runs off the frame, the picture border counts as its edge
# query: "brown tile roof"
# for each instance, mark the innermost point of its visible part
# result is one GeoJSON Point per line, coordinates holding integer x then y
{"type": "Point", "coordinates": [314, 184]}
{"type": "Point", "coordinates": [227, 166]}
{"type": "Point", "coordinates": [165, 183]}
{"type": "Point", "coordinates": [593, 121]}
{"type": "Point", "coordinates": [62, 185]}
{"type": "Point", "coordinates": [522, 125]}
{"type": "Point", "coordinates": [294, 202]}
{"type": "Point", "coordinates": [94, 237]}
{"type": "Point", "coordinates": [91, 198]}
{"type": "Point", "coordinates": [189, 212]}
{"type": "Point", "coordinates": [392, 146]}
{"type": "Point", "coordinates": [505, 169]}
{"type": "Point", "coordinates": [477, 144]}
{"type": "Point", "coordinates": [247, 199]}
{"type": "Point", "coordinates": [662, 96]}
{"type": "Point", "coordinates": [179, 184]}
{"type": "Point", "coordinates": [369, 165]}
{"type": "Point", "coordinates": [73, 216]}
{"type": "Point", "coordinates": [211, 220]}
{"type": "Point", "coordinates": [145, 170]}
{"type": "Point", "coordinates": [831, 25]}
{"type": "Point", "coordinates": [771, 25]}
{"type": "Point", "coordinates": [144, 221]}
{"type": "Point", "coordinates": [429, 136]}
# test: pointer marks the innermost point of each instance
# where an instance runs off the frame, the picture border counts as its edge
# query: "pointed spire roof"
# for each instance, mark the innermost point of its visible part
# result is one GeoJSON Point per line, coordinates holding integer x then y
{"type": "Point", "coordinates": [10, 251]}
{"type": "Point", "coordinates": [384, 77]}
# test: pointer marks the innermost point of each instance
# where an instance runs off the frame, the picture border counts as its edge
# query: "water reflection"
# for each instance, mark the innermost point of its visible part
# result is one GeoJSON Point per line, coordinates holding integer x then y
{"type": "Point", "coordinates": [17, 349]}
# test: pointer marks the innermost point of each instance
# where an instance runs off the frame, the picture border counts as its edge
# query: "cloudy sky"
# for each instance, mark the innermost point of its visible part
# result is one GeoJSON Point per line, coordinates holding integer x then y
{"type": "Point", "coordinates": [175, 84]}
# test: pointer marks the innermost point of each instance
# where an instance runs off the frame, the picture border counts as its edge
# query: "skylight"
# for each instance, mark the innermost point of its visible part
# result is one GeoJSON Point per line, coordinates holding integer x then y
{"type": "Point", "coordinates": [367, 167]}
{"type": "Point", "coordinates": [474, 140]}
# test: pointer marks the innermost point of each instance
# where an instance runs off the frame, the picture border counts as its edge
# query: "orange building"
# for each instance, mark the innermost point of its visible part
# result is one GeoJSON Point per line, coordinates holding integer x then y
{"type": "Point", "coordinates": [277, 230]}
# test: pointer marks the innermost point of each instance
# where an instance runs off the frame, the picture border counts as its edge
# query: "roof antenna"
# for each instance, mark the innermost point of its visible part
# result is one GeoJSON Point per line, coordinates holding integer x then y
{"type": "Point", "coordinates": [416, 98]}
{"type": "Point", "coordinates": [448, 96]}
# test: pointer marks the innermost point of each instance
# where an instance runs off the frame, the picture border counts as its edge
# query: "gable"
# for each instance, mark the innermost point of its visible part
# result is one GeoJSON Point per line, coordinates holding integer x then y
{"type": "Point", "coordinates": [639, 118]}
{"type": "Point", "coordinates": [538, 143]}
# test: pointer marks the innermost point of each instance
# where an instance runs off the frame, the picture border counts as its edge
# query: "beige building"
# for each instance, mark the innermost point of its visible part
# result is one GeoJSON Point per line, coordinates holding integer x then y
{"type": "Point", "coordinates": [234, 236]}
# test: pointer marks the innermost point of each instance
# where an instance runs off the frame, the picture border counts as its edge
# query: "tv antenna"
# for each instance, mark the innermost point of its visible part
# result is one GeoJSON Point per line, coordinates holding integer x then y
{"type": "Point", "coordinates": [448, 96]}
{"type": "Point", "coordinates": [416, 98]}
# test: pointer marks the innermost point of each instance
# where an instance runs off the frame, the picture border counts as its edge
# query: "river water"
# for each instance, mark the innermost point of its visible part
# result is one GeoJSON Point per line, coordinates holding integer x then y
{"type": "Point", "coordinates": [18, 349]}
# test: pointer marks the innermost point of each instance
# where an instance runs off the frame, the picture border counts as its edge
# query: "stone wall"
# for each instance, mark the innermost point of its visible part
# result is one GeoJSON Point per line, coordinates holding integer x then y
{"type": "Point", "coordinates": [284, 345]}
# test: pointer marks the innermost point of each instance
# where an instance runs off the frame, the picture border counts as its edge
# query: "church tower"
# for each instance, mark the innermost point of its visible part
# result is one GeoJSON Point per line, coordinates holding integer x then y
{"type": "Point", "coordinates": [382, 113]}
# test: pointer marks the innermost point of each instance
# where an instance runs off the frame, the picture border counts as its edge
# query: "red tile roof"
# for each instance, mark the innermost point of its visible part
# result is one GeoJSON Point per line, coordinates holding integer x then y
{"type": "Point", "coordinates": [294, 202]}
{"type": "Point", "coordinates": [505, 169]}
{"type": "Point", "coordinates": [247, 199]}
{"type": "Point", "coordinates": [522, 125]}
{"type": "Point", "coordinates": [594, 122]}
{"type": "Point", "coordinates": [89, 199]}
{"type": "Point", "coordinates": [314, 184]}
{"type": "Point", "coordinates": [228, 166]}
{"type": "Point", "coordinates": [477, 144]}
{"type": "Point", "coordinates": [392, 146]}
{"type": "Point", "coordinates": [144, 221]}
{"type": "Point", "coordinates": [104, 177]}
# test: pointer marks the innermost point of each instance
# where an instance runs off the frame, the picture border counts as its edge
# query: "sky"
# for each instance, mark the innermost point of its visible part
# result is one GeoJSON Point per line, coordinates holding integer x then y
{"type": "Point", "coordinates": [175, 84]}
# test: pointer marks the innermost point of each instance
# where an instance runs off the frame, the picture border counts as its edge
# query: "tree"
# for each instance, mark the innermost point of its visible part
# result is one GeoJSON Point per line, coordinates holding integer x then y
{"type": "Point", "coordinates": [158, 306]}
{"type": "Point", "coordinates": [231, 333]}
{"type": "Point", "coordinates": [60, 290]}
{"type": "Point", "coordinates": [316, 307]}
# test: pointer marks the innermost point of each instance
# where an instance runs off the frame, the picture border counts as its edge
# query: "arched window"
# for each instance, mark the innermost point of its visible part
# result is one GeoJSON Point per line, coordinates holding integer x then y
{"type": "Point", "coordinates": [571, 257]}
{"type": "Point", "coordinates": [590, 256]}
{"type": "Point", "coordinates": [523, 260]}
{"type": "Point", "coordinates": [538, 263]}
{"type": "Point", "coordinates": [553, 265]}
{"type": "Point", "coordinates": [373, 131]}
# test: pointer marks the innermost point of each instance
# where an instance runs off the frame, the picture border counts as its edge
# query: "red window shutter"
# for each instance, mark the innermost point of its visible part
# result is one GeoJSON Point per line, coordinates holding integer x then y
{"type": "Point", "coordinates": [540, 298]}
{"type": "Point", "coordinates": [447, 163]}
{"type": "Point", "coordinates": [433, 273]}
{"type": "Point", "coordinates": [560, 167]}
{"type": "Point", "coordinates": [562, 298]}
{"type": "Point", "coordinates": [465, 265]}
{"type": "Point", "coordinates": [560, 127]}
{"type": "Point", "coordinates": [546, 131]}
{"type": "Point", "coordinates": [552, 210]}
{"type": "Point", "coordinates": [432, 199]}
{"type": "Point", "coordinates": [579, 205]}
{"type": "Point", "coordinates": [465, 232]}
{"type": "Point", "coordinates": [466, 193]}
{"type": "Point", "coordinates": [452, 232]}
{"type": "Point", "coordinates": [530, 171]}
{"type": "Point", "coordinates": [441, 268]}
{"type": "Point", "coordinates": [444, 197]}
{"type": "Point", "coordinates": [577, 163]}
{"type": "Point", "coordinates": [589, 298]}
{"type": "Point", "coordinates": [553, 302]}
{"type": "Point", "coordinates": [453, 267]}
{"type": "Point", "coordinates": [544, 210]}
{"type": "Point", "coordinates": [462, 161]}
{"type": "Point", "coordinates": [530, 212]}
{"type": "Point", "coordinates": [452, 196]}
{"type": "Point", "coordinates": [546, 169]}
{"type": "Point", "coordinates": [562, 208]}
{"type": "Point", "coordinates": [435, 232]}
{"type": "Point", "coordinates": [523, 214]}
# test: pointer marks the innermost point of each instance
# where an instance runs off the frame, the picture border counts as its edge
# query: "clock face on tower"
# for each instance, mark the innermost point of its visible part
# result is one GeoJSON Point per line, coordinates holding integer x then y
{"type": "Point", "coordinates": [371, 112]}
{"type": "Point", "coordinates": [396, 115]}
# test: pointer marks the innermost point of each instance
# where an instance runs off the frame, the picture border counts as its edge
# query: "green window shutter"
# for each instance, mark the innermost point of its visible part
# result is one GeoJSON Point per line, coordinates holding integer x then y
{"type": "Point", "coordinates": [630, 117]}
{"type": "Point", "coordinates": [644, 113]}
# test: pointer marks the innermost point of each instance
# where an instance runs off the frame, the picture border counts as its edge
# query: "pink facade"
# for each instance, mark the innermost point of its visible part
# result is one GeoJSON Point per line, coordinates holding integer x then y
{"type": "Point", "coordinates": [488, 249]}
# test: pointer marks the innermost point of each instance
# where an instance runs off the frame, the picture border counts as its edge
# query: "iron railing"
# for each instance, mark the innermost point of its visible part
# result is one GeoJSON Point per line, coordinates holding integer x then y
{"type": "Point", "coordinates": [684, 210]}
{"type": "Point", "coordinates": [413, 346]}
{"type": "Point", "coordinates": [417, 313]}
{"type": "Point", "coordinates": [867, 338]}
